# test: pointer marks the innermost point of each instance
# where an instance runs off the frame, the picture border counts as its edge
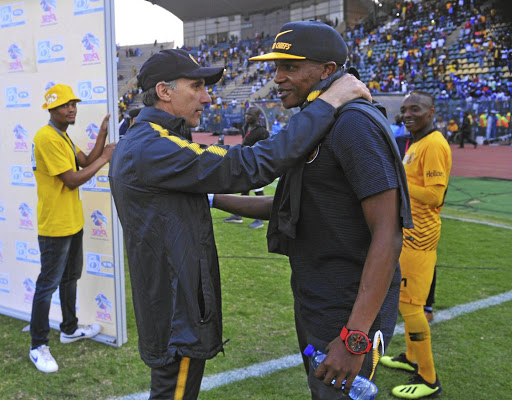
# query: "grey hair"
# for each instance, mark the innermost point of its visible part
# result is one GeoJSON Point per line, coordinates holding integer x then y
{"type": "Point", "coordinates": [150, 97]}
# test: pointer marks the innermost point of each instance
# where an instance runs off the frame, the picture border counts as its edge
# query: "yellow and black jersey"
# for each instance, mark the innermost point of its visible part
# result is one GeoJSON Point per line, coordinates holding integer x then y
{"type": "Point", "coordinates": [427, 163]}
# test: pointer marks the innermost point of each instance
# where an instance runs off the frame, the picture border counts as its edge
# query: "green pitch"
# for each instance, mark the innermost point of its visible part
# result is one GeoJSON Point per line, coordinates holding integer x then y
{"type": "Point", "coordinates": [474, 263]}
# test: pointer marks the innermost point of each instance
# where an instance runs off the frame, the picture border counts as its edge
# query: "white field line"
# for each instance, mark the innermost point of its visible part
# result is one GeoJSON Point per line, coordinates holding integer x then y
{"type": "Point", "coordinates": [268, 367]}
{"type": "Point", "coordinates": [475, 221]}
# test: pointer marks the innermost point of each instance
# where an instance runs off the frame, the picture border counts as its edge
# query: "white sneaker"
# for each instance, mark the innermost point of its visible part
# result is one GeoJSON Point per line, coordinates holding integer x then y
{"type": "Point", "coordinates": [82, 332]}
{"type": "Point", "coordinates": [43, 360]}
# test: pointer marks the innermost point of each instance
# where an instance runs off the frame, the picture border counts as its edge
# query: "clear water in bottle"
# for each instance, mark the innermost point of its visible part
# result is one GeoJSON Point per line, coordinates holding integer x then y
{"type": "Point", "coordinates": [362, 388]}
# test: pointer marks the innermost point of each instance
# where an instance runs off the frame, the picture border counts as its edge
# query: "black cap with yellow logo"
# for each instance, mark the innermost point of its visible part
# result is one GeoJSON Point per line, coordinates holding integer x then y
{"type": "Point", "coordinates": [168, 65]}
{"type": "Point", "coordinates": [310, 40]}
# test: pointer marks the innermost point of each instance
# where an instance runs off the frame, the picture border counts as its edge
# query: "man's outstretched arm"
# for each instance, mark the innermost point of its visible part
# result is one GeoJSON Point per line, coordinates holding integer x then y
{"type": "Point", "coordinates": [257, 207]}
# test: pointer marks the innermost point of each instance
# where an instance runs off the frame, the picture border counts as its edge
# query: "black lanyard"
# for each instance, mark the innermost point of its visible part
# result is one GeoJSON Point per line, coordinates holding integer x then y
{"type": "Point", "coordinates": [68, 141]}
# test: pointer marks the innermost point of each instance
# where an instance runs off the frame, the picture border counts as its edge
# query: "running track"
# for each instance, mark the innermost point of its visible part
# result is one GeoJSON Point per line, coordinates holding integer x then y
{"type": "Point", "coordinates": [484, 161]}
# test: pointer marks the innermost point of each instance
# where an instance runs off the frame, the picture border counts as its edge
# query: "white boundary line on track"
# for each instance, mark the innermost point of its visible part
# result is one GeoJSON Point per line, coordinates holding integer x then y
{"type": "Point", "coordinates": [268, 367]}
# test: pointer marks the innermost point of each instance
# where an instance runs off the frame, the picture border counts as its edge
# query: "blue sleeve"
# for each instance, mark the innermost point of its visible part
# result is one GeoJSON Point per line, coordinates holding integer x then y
{"type": "Point", "coordinates": [364, 154]}
{"type": "Point", "coordinates": [171, 163]}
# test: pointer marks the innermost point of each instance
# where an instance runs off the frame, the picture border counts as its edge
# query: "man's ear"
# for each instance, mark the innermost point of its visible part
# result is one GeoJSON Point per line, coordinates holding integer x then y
{"type": "Point", "coordinates": [329, 69]}
{"type": "Point", "coordinates": [163, 91]}
{"type": "Point", "coordinates": [432, 111]}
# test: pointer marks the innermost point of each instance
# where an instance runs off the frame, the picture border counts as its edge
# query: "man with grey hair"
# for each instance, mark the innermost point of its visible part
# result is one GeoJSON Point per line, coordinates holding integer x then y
{"type": "Point", "coordinates": [160, 181]}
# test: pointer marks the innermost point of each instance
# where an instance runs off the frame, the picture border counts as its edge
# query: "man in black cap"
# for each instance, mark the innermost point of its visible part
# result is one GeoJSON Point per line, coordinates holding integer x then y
{"type": "Point", "coordinates": [159, 181]}
{"type": "Point", "coordinates": [338, 216]}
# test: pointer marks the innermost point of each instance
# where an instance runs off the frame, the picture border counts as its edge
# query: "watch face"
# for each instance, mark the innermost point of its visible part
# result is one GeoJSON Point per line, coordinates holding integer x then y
{"type": "Point", "coordinates": [357, 342]}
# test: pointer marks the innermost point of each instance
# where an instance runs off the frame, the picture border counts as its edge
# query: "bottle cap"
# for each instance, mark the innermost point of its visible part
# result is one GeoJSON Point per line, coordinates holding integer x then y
{"type": "Point", "coordinates": [309, 350]}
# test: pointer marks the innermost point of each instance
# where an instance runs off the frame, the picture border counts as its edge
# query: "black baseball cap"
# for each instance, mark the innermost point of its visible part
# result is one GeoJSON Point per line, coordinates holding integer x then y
{"type": "Point", "coordinates": [312, 40]}
{"type": "Point", "coordinates": [168, 65]}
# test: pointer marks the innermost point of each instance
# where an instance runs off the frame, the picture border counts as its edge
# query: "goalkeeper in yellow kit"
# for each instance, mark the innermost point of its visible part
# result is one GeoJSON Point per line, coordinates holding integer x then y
{"type": "Point", "coordinates": [427, 164]}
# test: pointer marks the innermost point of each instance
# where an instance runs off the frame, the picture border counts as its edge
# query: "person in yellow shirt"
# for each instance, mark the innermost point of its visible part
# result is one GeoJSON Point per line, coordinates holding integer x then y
{"type": "Point", "coordinates": [56, 162]}
{"type": "Point", "coordinates": [453, 130]}
{"type": "Point", "coordinates": [427, 164]}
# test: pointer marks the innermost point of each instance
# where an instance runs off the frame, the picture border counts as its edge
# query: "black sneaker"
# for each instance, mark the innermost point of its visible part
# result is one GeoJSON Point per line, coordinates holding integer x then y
{"type": "Point", "coordinates": [417, 388]}
{"type": "Point", "coordinates": [399, 362]}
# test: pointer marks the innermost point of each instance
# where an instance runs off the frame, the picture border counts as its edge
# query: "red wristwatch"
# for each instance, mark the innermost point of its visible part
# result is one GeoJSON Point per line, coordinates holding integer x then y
{"type": "Point", "coordinates": [357, 342]}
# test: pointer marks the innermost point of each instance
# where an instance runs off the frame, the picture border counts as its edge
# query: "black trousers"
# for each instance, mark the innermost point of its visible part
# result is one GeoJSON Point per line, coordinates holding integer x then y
{"type": "Point", "coordinates": [180, 380]}
{"type": "Point", "coordinates": [466, 137]}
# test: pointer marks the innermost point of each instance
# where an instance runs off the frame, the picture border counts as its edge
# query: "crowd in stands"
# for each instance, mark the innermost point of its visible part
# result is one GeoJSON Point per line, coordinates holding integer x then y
{"type": "Point", "coordinates": [126, 100]}
{"type": "Point", "coordinates": [130, 52]}
{"type": "Point", "coordinates": [411, 52]}
{"type": "Point", "coordinates": [460, 51]}
{"type": "Point", "coordinates": [234, 54]}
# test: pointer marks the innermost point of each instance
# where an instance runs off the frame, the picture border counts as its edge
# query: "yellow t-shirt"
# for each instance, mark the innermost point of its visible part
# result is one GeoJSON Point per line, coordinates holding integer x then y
{"type": "Point", "coordinates": [59, 209]}
{"type": "Point", "coordinates": [427, 162]}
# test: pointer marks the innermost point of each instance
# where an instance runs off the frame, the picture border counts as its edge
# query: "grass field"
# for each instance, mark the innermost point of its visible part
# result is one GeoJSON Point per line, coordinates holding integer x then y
{"type": "Point", "coordinates": [472, 352]}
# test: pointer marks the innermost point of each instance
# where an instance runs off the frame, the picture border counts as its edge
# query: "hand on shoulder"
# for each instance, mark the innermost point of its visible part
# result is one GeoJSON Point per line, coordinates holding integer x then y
{"type": "Point", "coordinates": [345, 89]}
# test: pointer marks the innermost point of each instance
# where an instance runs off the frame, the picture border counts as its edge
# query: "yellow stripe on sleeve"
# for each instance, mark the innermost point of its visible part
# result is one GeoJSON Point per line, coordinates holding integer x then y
{"type": "Point", "coordinates": [195, 147]}
{"type": "Point", "coordinates": [216, 150]}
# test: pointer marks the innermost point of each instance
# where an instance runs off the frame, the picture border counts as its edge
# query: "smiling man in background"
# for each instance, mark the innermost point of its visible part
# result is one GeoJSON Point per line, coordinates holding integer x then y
{"type": "Point", "coordinates": [427, 163]}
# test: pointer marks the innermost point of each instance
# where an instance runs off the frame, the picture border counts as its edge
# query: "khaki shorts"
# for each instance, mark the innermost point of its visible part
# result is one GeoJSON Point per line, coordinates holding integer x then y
{"type": "Point", "coordinates": [417, 274]}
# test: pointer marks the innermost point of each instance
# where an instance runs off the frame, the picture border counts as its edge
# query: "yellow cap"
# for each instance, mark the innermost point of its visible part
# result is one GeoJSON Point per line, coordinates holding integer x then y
{"type": "Point", "coordinates": [58, 95]}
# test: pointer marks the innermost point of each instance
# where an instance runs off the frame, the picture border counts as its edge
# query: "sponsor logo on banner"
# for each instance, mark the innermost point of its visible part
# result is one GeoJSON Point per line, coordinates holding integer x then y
{"type": "Point", "coordinates": [48, 17]}
{"type": "Point", "coordinates": [21, 136]}
{"type": "Point", "coordinates": [92, 92]}
{"type": "Point", "coordinates": [87, 6]}
{"type": "Point", "coordinates": [3, 215]}
{"type": "Point", "coordinates": [100, 264]}
{"type": "Point", "coordinates": [5, 282]}
{"type": "Point", "coordinates": [1, 252]}
{"type": "Point", "coordinates": [98, 183]}
{"type": "Point", "coordinates": [105, 308]}
{"type": "Point", "coordinates": [99, 231]}
{"type": "Point", "coordinates": [22, 175]}
{"type": "Point", "coordinates": [92, 131]}
{"type": "Point", "coordinates": [49, 85]}
{"type": "Point", "coordinates": [12, 15]}
{"type": "Point", "coordinates": [91, 45]}
{"type": "Point", "coordinates": [17, 96]}
{"type": "Point", "coordinates": [28, 252]}
{"type": "Point", "coordinates": [16, 55]}
{"type": "Point", "coordinates": [50, 50]}
{"type": "Point", "coordinates": [30, 289]}
{"type": "Point", "coordinates": [26, 214]}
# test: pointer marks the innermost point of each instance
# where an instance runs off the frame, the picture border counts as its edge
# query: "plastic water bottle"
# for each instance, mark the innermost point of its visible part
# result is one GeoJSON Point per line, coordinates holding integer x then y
{"type": "Point", "coordinates": [362, 388]}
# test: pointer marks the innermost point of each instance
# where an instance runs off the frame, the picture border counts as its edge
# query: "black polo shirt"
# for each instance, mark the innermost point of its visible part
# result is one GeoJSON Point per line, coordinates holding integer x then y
{"type": "Point", "coordinates": [327, 257]}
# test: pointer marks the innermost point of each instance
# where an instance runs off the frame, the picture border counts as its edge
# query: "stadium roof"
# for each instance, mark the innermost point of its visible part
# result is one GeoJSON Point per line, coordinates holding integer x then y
{"type": "Point", "coordinates": [190, 10]}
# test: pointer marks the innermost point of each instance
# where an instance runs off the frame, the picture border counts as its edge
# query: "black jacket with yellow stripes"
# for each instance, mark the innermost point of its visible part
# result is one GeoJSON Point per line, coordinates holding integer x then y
{"type": "Point", "coordinates": [159, 182]}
